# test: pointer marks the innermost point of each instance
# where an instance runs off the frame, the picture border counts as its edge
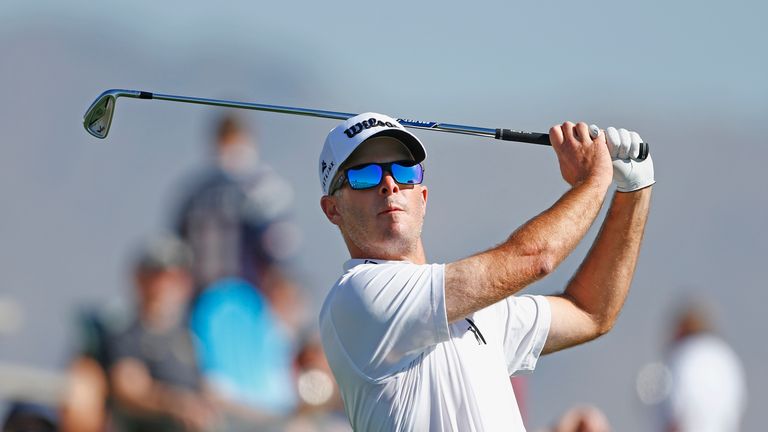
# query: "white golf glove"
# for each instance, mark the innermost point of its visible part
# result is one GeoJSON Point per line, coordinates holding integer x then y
{"type": "Point", "coordinates": [624, 146]}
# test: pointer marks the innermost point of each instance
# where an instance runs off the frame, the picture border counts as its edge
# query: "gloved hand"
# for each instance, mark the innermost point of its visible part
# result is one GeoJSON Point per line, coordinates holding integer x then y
{"type": "Point", "coordinates": [624, 146]}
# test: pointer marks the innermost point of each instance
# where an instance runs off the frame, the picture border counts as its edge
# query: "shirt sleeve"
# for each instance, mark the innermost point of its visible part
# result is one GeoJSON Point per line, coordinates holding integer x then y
{"type": "Point", "coordinates": [526, 326]}
{"type": "Point", "coordinates": [386, 315]}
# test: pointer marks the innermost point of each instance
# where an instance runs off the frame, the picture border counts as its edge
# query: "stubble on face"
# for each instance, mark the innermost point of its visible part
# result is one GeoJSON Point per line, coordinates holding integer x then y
{"type": "Point", "coordinates": [382, 224]}
{"type": "Point", "coordinates": [379, 232]}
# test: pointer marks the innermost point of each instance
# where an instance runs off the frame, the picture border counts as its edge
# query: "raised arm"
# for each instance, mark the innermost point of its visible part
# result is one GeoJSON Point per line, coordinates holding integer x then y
{"type": "Point", "coordinates": [541, 244]}
{"type": "Point", "coordinates": [594, 296]}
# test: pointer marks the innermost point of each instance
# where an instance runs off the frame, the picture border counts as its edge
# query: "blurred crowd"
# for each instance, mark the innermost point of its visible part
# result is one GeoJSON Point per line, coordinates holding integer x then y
{"type": "Point", "coordinates": [217, 337]}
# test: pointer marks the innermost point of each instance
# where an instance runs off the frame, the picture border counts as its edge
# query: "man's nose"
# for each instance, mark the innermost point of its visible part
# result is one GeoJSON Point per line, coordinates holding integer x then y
{"type": "Point", "coordinates": [388, 185]}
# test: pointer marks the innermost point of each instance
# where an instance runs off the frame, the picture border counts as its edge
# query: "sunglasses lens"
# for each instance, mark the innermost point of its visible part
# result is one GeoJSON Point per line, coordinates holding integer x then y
{"type": "Point", "coordinates": [407, 174]}
{"type": "Point", "coordinates": [364, 177]}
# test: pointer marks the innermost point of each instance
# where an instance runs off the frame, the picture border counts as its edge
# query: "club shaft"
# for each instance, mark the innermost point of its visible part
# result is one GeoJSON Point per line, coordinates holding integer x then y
{"type": "Point", "coordinates": [252, 106]}
{"type": "Point", "coordinates": [504, 134]}
{"type": "Point", "coordinates": [99, 117]}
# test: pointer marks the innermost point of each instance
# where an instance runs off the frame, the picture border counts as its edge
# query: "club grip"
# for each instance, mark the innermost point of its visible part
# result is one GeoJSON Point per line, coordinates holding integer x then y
{"type": "Point", "coordinates": [520, 136]}
{"type": "Point", "coordinates": [543, 139]}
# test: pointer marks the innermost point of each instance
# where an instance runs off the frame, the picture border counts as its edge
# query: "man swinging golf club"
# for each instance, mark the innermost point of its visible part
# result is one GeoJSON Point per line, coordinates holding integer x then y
{"type": "Point", "coordinates": [429, 347]}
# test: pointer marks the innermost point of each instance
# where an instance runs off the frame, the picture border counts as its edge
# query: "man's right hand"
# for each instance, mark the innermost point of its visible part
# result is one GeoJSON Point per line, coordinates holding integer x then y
{"type": "Point", "coordinates": [581, 157]}
{"type": "Point", "coordinates": [535, 249]}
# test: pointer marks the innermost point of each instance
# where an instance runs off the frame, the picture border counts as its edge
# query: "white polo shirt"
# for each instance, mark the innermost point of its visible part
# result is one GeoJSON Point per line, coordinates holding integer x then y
{"type": "Point", "coordinates": [400, 365]}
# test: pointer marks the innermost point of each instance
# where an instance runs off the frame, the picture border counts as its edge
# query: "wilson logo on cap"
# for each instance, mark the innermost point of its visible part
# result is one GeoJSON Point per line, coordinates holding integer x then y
{"type": "Point", "coordinates": [366, 124]}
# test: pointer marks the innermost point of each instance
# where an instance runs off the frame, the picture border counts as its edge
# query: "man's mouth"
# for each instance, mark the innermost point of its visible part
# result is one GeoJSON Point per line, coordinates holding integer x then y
{"type": "Point", "coordinates": [389, 210]}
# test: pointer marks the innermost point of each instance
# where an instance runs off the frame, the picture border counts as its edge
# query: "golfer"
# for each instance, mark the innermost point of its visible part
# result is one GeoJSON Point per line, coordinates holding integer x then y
{"type": "Point", "coordinates": [429, 347]}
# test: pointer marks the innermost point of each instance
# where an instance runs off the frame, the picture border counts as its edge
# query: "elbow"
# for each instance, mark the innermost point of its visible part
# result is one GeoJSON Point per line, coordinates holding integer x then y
{"type": "Point", "coordinates": [603, 326]}
{"type": "Point", "coordinates": [543, 265]}
{"type": "Point", "coordinates": [543, 258]}
{"type": "Point", "coordinates": [539, 257]}
{"type": "Point", "coordinates": [593, 331]}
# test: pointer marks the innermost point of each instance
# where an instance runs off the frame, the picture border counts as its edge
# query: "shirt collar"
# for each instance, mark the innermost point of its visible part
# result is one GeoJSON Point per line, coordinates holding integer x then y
{"type": "Point", "coordinates": [358, 261]}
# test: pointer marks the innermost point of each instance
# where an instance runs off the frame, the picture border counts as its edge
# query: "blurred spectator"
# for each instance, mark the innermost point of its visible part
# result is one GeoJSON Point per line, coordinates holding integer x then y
{"type": "Point", "coordinates": [30, 417]}
{"type": "Point", "coordinates": [708, 389]}
{"type": "Point", "coordinates": [236, 216]}
{"type": "Point", "coordinates": [316, 386]}
{"type": "Point", "coordinates": [266, 384]}
{"type": "Point", "coordinates": [320, 406]}
{"type": "Point", "coordinates": [143, 362]}
{"type": "Point", "coordinates": [581, 419]}
{"type": "Point", "coordinates": [245, 352]}
{"type": "Point", "coordinates": [153, 375]}
{"type": "Point", "coordinates": [84, 406]}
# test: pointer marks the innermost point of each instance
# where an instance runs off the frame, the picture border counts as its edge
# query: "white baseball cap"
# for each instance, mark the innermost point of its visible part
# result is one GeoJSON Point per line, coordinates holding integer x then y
{"type": "Point", "coordinates": [346, 137]}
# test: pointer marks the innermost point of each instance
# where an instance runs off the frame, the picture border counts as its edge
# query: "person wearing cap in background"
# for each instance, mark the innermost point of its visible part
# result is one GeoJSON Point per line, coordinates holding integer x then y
{"type": "Point", "coordinates": [237, 217]}
{"type": "Point", "coordinates": [417, 346]}
{"type": "Point", "coordinates": [153, 373]}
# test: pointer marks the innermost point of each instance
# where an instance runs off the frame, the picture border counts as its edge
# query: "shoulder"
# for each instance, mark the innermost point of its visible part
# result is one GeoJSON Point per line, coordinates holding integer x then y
{"type": "Point", "coordinates": [115, 319]}
{"type": "Point", "coordinates": [380, 313]}
{"type": "Point", "coordinates": [704, 348]}
{"type": "Point", "coordinates": [203, 178]}
{"type": "Point", "coordinates": [371, 276]}
{"type": "Point", "coordinates": [267, 196]}
{"type": "Point", "coordinates": [197, 185]}
{"type": "Point", "coordinates": [376, 287]}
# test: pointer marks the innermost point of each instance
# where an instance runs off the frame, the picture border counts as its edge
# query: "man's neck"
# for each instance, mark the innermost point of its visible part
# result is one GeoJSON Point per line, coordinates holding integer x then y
{"type": "Point", "coordinates": [416, 256]}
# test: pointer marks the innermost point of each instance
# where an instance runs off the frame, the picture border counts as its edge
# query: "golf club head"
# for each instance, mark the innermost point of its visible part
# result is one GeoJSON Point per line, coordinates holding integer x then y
{"type": "Point", "coordinates": [98, 118]}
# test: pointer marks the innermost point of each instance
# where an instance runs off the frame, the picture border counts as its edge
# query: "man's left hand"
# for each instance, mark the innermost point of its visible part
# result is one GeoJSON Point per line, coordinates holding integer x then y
{"type": "Point", "coordinates": [629, 173]}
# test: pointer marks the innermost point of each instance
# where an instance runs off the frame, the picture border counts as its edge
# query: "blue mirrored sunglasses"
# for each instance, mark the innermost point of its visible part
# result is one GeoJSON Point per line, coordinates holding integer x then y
{"type": "Point", "coordinates": [369, 175]}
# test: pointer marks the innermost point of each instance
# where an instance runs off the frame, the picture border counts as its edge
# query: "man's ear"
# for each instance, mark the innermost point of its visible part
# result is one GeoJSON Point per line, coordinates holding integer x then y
{"type": "Point", "coordinates": [424, 193]}
{"type": "Point", "coordinates": [331, 209]}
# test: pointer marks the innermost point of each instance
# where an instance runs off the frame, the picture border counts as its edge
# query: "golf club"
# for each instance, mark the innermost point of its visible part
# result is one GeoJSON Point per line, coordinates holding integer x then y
{"type": "Point", "coordinates": [98, 118]}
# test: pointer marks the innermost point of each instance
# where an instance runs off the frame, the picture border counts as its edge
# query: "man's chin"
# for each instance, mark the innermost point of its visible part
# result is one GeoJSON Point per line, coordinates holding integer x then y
{"type": "Point", "coordinates": [397, 242]}
{"type": "Point", "coordinates": [394, 231]}
{"type": "Point", "coordinates": [390, 240]}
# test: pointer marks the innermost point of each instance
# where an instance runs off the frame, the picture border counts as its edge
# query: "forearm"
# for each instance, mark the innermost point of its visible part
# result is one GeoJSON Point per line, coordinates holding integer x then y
{"type": "Point", "coordinates": [593, 298]}
{"type": "Point", "coordinates": [554, 233]}
{"type": "Point", "coordinates": [136, 390]}
{"type": "Point", "coordinates": [530, 253]}
{"type": "Point", "coordinates": [154, 399]}
{"type": "Point", "coordinates": [602, 283]}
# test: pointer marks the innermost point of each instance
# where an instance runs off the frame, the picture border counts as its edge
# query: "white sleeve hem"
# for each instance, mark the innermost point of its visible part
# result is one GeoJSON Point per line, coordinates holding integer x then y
{"type": "Point", "coordinates": [541, 331]}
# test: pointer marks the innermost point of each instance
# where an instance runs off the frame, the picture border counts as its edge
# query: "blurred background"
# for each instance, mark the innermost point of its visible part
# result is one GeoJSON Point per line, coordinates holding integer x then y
{"type": "Point", "coordinates": [689, 76]}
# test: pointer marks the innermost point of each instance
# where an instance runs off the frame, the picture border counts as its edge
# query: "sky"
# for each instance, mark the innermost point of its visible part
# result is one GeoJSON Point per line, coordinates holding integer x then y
{"type": "Point", "coordinates": [688, 76]}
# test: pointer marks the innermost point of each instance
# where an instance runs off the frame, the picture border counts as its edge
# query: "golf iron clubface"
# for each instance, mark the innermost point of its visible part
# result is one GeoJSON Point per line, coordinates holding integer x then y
{"type": "Point", "coordinates": [98, 118]}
